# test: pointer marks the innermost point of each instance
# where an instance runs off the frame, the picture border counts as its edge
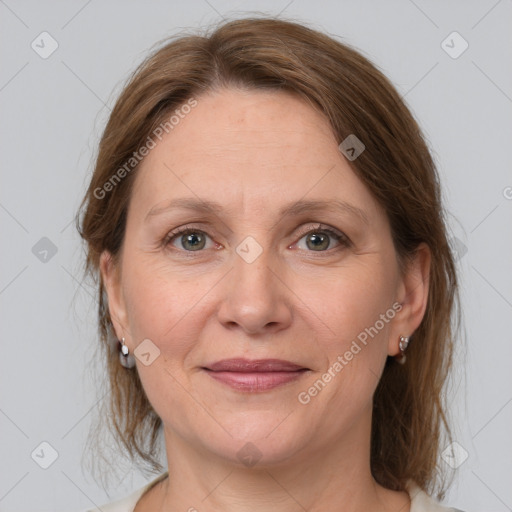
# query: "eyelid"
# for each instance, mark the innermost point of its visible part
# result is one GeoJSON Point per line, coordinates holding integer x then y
{"type": "Point", "coordinates": [342, 237]}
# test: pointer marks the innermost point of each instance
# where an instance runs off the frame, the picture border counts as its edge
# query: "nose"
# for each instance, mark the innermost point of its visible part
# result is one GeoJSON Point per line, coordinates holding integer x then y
{"type": "Point", "coordinates": [255, 297]}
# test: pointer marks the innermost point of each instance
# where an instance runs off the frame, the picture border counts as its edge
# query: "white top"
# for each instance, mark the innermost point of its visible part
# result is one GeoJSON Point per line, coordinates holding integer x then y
{"type": "Point", "coordinates": [420, 501]}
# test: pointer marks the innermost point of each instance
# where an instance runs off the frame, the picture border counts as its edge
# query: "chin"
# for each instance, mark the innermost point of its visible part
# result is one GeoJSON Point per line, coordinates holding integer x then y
{"type": "Point", "coordinates": [258, 439]}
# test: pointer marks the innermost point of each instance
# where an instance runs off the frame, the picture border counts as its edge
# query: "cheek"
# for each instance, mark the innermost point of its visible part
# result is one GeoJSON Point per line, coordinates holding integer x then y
{"type": "Point", "coordinates": [357, 312]}
{"type": "Point", "coordinates": [352, 303]}
{"type": "Point", "coordinates": [167, 310]}
{"type": "Point", "coordinates": [160, 305]}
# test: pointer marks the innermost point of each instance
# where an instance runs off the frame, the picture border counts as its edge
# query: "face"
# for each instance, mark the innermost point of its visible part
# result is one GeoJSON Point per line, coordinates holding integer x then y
{"type": "Point", "coordinates": [263, 273]}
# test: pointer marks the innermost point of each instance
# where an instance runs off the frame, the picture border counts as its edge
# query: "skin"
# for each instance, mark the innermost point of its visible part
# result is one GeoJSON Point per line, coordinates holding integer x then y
{"type": "Point", "coordinates": [254, 153]}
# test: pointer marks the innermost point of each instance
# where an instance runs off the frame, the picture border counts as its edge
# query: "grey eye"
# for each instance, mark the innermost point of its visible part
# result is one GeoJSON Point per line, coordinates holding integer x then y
{"type": "Point", "coordinates": [319, 240]}
{"type": "Point", "coordinates": [190, 241]}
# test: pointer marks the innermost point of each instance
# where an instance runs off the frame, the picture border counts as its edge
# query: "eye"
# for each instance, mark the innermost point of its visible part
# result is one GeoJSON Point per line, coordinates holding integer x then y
{"type": "Point", "coordinates": [188, 239]}
{"type": "Point", "coordinates": [318, 239]}
{"type": "Point", "coordinates": [321, 239]}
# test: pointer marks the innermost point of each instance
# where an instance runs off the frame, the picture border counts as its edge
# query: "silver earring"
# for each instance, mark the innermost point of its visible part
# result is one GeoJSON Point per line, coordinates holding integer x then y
{"type": "Point", "coordinates": [402, 344]}
{"type": "Point", "coordinates": [125, 358]}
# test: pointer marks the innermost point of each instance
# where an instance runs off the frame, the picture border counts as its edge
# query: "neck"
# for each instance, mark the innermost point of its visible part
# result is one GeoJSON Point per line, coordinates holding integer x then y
{"type": "Point", "coordinates": [334, 477]}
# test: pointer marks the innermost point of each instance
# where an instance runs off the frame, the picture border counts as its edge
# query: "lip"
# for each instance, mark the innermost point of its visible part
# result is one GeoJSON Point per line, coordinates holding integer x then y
{"type": "Point", "coordinates": [254, 375]}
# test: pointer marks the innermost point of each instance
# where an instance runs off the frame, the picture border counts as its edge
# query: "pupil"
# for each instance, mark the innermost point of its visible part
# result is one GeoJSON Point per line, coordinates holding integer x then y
{"type": "Point", "coordinates": [194, 241]}
{"type": "Point", "coordinates": [318, 241]}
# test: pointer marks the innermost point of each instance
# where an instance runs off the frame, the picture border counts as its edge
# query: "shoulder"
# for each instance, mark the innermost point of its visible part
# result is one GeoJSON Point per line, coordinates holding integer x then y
{"type": "Point", "coordinates": [128, 503]}
{"type": "Point", "coordinates": [422, 502]}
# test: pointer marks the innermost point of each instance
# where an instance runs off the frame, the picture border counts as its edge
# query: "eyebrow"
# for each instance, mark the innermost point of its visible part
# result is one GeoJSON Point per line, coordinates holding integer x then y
{"type": "Point", "coordinates": [294, 209]}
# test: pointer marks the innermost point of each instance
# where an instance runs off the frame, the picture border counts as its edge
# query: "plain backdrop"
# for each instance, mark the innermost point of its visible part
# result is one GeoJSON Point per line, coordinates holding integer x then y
{"type": "Point", "coordinates": [53, 107]}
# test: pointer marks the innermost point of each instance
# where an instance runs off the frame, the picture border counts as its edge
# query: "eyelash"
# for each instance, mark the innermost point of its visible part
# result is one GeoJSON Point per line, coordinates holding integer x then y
{"type": "Point", "coordinates": [338, 236]}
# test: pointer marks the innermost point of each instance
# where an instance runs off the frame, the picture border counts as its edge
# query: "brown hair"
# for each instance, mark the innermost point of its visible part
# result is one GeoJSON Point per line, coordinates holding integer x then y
{"type": "Point", "coordinates": [409, 414]}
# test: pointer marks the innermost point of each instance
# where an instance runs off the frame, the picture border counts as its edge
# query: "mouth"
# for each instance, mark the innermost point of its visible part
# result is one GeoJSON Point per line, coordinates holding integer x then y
{"type": "Point", "coordinates": [254, 375]}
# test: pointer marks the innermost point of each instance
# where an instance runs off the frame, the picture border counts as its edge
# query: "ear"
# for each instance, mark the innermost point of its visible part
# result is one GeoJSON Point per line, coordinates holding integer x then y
{"type": "Point", "coordinates": [412, 295]}
{"type": "Point", "coordinates": [110, 274]}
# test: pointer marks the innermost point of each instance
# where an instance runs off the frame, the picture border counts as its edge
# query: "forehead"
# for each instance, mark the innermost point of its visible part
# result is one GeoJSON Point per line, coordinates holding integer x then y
{"type": "Point", "coordinates": [250, 147]}
{"type": "Point", "coordinates": [241, 125]}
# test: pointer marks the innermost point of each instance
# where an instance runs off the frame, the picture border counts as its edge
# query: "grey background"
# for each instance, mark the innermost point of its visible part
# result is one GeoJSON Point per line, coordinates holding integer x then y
{"type": "Point", "coordinates": [52, 112]}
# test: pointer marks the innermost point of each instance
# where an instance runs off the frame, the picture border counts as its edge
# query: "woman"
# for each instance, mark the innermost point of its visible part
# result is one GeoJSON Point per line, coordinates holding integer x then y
{"type": "Point", "coordinates": [276, 287]}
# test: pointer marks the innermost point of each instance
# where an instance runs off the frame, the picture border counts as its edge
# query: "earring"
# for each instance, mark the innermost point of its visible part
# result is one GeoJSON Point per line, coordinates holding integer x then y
{"type": "Point", "coordinates": [125, 358]}
{"type": "Point", "coordinates": [403, 343]}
